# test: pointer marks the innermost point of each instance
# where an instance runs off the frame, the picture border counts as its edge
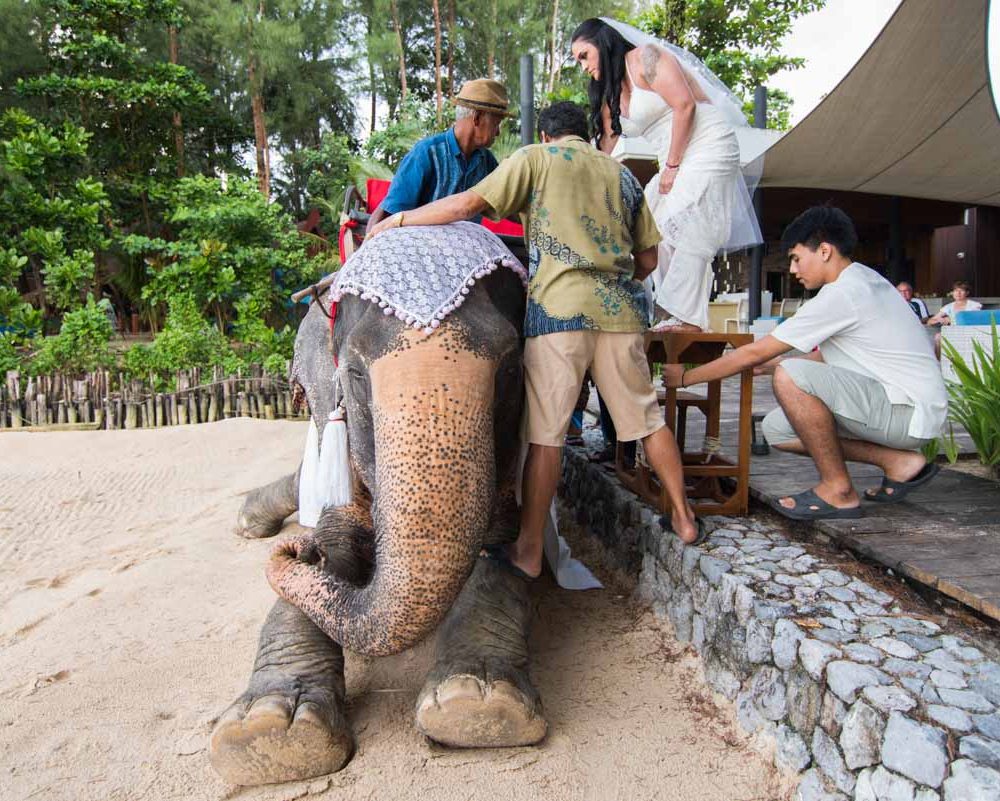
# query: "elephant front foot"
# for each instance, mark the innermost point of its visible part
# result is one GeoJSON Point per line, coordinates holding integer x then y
{"type": "Point", "coordinates": [479, 694]}
{"type": "Point", "coordinates": [470, 711]}
{"type": "Point", "coordinates": [264, 511]}
{"type": "Point", "coordinates": [290, 723]}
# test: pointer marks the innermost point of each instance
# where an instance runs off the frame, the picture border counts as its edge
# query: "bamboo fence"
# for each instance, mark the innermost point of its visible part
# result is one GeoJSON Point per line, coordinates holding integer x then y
{"type": "Point", "coordinates": [108, 400]}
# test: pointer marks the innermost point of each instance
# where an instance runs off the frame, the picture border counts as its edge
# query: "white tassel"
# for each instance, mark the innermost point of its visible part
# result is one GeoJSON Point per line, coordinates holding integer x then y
{"type": "Point", "coordinates": [311, 492]}
{"type": "Point", "coordinates": [335, 468]}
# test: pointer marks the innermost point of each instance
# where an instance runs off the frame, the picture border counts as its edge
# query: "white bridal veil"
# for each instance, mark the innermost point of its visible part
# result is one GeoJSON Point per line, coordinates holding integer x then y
{"type": "Point", "coordinates": [744, 231]}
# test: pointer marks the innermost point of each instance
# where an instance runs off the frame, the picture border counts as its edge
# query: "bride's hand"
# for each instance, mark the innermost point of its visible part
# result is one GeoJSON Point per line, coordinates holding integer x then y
{"type": "Point", "coordinates": [667, 180]}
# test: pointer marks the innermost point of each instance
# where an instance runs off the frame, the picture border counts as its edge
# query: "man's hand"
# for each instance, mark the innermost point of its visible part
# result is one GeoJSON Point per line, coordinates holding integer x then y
{"type": "Point", "coordinates": [667, 178]}
{"type": "Point", "coordinates": [672, 375]}
{"type": "Point", "coordinates": [389, 222]}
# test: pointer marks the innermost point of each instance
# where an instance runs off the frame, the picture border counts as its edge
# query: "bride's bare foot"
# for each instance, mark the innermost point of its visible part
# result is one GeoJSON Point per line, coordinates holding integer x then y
{"type": "Point", "coordinates": [673, 325]}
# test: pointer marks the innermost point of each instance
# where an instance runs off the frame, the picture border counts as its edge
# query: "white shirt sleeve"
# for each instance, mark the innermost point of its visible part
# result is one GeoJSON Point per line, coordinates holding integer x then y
{"type": "Point", "coordinates": [827, 314]}
{"type": "Point", "coordinates": [946, 309]}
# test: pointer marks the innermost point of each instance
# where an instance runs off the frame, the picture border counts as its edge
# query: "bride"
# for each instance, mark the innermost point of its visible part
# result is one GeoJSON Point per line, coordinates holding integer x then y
{"type": "Point", "coordinates": [641, 86]}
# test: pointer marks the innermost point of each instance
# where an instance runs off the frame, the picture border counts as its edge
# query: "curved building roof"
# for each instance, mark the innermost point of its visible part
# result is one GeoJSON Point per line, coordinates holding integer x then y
{"type": "Point", "coordinates": [914, 117]}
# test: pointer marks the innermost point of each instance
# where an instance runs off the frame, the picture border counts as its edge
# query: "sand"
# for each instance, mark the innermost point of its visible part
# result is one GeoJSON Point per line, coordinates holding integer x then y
{"type": "Point", "coordinates": [129, 615]}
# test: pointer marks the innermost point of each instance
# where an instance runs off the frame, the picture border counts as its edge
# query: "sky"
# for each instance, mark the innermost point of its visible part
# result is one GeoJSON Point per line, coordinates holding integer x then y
{"type": "Point", "coordinates": [831, 40]}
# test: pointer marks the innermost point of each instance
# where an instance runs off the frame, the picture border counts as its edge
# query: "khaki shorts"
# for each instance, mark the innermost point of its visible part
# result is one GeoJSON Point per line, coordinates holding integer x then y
{"type": "Point", "coordinates": [554, 366]}
{"type": "Point", "coordinates": [859, 404]}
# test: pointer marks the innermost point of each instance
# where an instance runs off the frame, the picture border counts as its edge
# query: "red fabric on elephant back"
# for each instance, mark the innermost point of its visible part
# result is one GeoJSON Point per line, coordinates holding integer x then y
{"type": "Point", "coordinates": [506, 227]}
{"type": "Point", "coordinates": [377, 190]}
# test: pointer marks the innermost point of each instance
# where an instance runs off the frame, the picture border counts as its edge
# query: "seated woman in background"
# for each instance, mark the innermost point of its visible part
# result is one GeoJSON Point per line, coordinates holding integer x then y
{"type": "Point", "coordinates": [961, 302]}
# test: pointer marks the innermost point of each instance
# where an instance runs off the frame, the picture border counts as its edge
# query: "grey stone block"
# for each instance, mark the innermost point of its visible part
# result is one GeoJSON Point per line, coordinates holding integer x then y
{"type": "Point", "coordinates": [743, 602]}
{"type": "Point", "coordinates": [681, 612]}
{"type": "Point", "coordinates": [804, 699]}
{"type": "Point", "coordinates": [965, 699]}
{"type": "Point", "coordinates": [747, 714]}
{"type": "Point", "coordinates": [758, 641]}
{"type": "Point", "coordinates": [863, 653]}
{"type": "Point", "coordinates": [842, 594]}
{"type": "Point", "coordinates": [987, 686]}
{"type": "Point", "coordinates": [926, 794]}
{"type": "Point", "coordinates": [863, 790]}
{"type": "Point", "coordinates": [713, 568]}
{"type": "Point", "coordinates": [791, 752]}
{"type": "Point", "coordinates": [861, 736]}
{"type": "Point", "coordinates": [834, 577]}
{"type": "Point", "coordinates": [833, 636]}
{"type": "Point", "coordinates": [906, 667]}
{"type": "Point", "coordinates": [772, 611]}
{"type": "Point", "coordinates": [945, 661]}
{"type": "Point", "coordinates": [981, 750]}
{"type": "Point", "coordinates": [719, 676]}
{"type": "Point", "coordinates": [869, 592]}
{"type": "Point", "coordinates": [871, 629]}
{"type": "Point", "coordinates": [829, 760]}
{"type": "Point", "coordinates": [814, 656]}
{"type": "Point", "coordinates": [768, 691]}
{"type": "Point", "coordinates": [700, 588]}
{"type": "Point", "coordinates": [915, 750]}
{"type": "Point", "coordinates": [971, 782]}
{"type": "Point", "coordinates": [698, 632]}
{"type": "Point", "coordinates": [689, 563]}
{"type": "Point", "coordinates": [812, 787]}
{"type": "Point", "coordinates": [889, 786]}
{"type": "Point", "coordinates": [947, 679]}
{"type": "Point", "coordinates": [889, 699]}
{"type": "Point", "coordinates": [785, 643]}
{"type": "Point", "coordinates": [988, 725]}
{"type": "Point", "coordinates": [949, 716]}
{"type": "Point", "coordinates": [832, 714]}
{"type": "Point", "coordinates": [845, 679]}
{"type": "Point", "coordinates": [894, 647]}
{"type": "Point", "coordinates": [920, 642]}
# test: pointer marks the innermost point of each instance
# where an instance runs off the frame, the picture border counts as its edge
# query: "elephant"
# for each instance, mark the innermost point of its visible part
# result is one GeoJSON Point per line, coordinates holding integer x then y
{"type": "Point", "coordinates": [432, 423]}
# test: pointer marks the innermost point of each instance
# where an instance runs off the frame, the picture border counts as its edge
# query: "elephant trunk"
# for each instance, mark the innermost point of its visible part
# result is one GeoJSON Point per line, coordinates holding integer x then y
{"type": "Point", "coordinates": [432, 411]}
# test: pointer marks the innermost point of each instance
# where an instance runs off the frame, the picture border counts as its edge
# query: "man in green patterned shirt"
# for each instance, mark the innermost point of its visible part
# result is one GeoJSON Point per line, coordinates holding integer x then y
{"type": "Point", "coordinates": [591, 240]}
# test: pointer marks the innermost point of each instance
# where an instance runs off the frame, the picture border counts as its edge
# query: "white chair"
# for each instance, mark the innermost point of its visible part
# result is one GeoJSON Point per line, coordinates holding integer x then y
{"type": "Point", "coordinates": [788, 307]}
{"type": "Point", "coordinates": [741, 315]}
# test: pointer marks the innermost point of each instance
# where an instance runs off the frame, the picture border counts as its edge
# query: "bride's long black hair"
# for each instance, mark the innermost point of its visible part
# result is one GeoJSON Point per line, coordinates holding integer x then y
{"type": "Point", "coordinates": [611, 49]}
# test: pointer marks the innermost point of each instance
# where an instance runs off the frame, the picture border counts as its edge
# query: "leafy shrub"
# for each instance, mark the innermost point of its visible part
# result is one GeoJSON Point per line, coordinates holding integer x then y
{"type": "Point", "coordinates": [81, 344]}
{"type": "Point", "coordinates": [10, 359]}
{"type": "Point", "coordinates": [975, 396]}
{"type": "Point", "coordinates": [187, 340]}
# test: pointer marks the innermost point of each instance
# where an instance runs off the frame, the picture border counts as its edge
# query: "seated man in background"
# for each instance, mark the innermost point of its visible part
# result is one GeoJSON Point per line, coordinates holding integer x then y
{"type": "Point", "coordinates": [450, 162]}
{"type": "Point", "coordinates": [591, 240]}
{"type": "Point", "coordinates": [872, 392]}
{"type": "Point", "coordinates": [919, 308]}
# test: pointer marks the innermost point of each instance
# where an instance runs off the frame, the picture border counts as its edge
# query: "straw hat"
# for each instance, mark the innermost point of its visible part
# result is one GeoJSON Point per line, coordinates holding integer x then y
{"type": "Point", "coordinates": [484, 95]}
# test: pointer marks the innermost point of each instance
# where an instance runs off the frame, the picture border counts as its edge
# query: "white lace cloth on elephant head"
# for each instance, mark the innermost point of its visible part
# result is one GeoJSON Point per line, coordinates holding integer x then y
{"type": "Point", "coordinates": [423, 273]}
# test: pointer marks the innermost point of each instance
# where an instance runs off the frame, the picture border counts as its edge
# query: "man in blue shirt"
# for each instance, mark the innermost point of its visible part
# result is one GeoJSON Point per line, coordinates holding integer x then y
{"type": "Point", "coordinates": [455, 160]}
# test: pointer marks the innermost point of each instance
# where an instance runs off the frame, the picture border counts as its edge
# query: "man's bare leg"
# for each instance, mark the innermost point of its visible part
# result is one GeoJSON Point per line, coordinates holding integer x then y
{"type": "Point", "coordinates": [665, 459]}
{"type": "Point", "coordinates": [817, 430]}
{"type": "Point", "coordinates": [542, 469]}
{"type": "Point", "coordinates": [896, 464]}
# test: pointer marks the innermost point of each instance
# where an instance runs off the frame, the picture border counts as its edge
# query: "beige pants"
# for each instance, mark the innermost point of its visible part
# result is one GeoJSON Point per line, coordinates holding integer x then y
{"type": "Point", "coordinates": [859, 404]}
{"type": "Point", "coordinates": [554, 366]}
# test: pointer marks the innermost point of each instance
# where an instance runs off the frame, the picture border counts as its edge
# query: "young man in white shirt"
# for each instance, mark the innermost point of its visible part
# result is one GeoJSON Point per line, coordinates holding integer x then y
{"type": "Point", "coordinates": [871, 393]}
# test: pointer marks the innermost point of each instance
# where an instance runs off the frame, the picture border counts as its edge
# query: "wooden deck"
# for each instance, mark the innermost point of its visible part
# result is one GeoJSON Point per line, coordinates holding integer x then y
{"type": "Point", "coordinates": [945, 535]}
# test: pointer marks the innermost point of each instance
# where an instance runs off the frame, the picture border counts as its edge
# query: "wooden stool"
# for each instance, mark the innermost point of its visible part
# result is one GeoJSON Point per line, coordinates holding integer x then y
{"type": "Point", "coordinates": [702, 471]}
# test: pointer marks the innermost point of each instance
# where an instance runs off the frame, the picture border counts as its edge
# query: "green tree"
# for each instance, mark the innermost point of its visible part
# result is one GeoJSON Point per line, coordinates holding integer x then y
{"type": "Point", "coordinates": [738, 40]}
{"type": "Point", "coordinates": [101, 77]}
{"type": "Point", "coordinates": [53, 215]}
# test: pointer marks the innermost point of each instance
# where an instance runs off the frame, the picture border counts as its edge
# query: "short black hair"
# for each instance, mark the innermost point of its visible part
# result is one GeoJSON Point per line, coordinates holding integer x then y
{"type": "Point", "coordinates": [564, 118]}
{"type": "Point", "coordinates": [821, 224]}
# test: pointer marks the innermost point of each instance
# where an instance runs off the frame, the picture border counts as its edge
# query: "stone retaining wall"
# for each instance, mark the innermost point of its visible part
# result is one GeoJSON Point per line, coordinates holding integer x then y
{"type": "Point", "coordinates": [865, 701]}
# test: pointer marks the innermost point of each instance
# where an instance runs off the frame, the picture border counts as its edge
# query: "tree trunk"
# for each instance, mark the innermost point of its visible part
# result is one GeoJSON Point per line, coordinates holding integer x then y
{"type": "Point", "coordinates": [451, 47]}
{"type": "Point", "coordinates": [437, 59]}
{"type": "Point", "coordinates": [259, 123]}
{"type": "Point", "coordinates": [554, 53]}
{"type": "Point", "coordinates": [402, 52]}
{"type": "Point", "coordinates": [491, 52]}
{"type": "Point", "coordinates": [178, 128]}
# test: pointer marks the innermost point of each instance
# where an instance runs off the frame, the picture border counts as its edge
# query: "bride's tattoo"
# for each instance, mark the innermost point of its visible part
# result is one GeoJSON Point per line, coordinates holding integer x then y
{"type": "Point", "coordinates": [650, 60]}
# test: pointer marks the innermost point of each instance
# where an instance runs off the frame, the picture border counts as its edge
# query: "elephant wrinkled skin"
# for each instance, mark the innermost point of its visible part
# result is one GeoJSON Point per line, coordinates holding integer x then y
{"type": "Point", "coordinates": [432, 422]}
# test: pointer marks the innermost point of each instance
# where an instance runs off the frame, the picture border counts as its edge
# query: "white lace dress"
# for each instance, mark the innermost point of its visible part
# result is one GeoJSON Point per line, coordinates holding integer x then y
{"type": "Point", "coordinates": [695, 217]}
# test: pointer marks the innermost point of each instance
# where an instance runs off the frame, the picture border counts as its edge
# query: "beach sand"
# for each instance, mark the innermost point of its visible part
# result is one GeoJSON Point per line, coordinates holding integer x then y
{"type": "Point", "coordinates": [129, 615]}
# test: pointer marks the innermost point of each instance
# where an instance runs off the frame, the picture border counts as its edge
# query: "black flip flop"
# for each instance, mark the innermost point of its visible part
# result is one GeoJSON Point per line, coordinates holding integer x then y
{"type": "Point", "coordinates": [498, 554]}
{"type": "Point", "coordinates": [900, 489]}
{"type": "Point", "coordinates": [809, 506]}
{"type": "Point", "coordinates": [702, 534]}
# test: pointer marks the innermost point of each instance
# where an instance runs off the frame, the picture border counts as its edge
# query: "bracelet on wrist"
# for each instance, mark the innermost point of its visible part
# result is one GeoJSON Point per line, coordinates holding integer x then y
{"type": "Point", "coordinates": [399, 220]}
{"type": "Point", "coordinates": [673, 166]}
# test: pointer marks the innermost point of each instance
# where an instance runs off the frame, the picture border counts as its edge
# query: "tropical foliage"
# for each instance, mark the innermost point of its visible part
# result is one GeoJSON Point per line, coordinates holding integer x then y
{"type": "Point", "coordinates": [156, 156]}
{"type": "Point", "coordinates": [975, 395]}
